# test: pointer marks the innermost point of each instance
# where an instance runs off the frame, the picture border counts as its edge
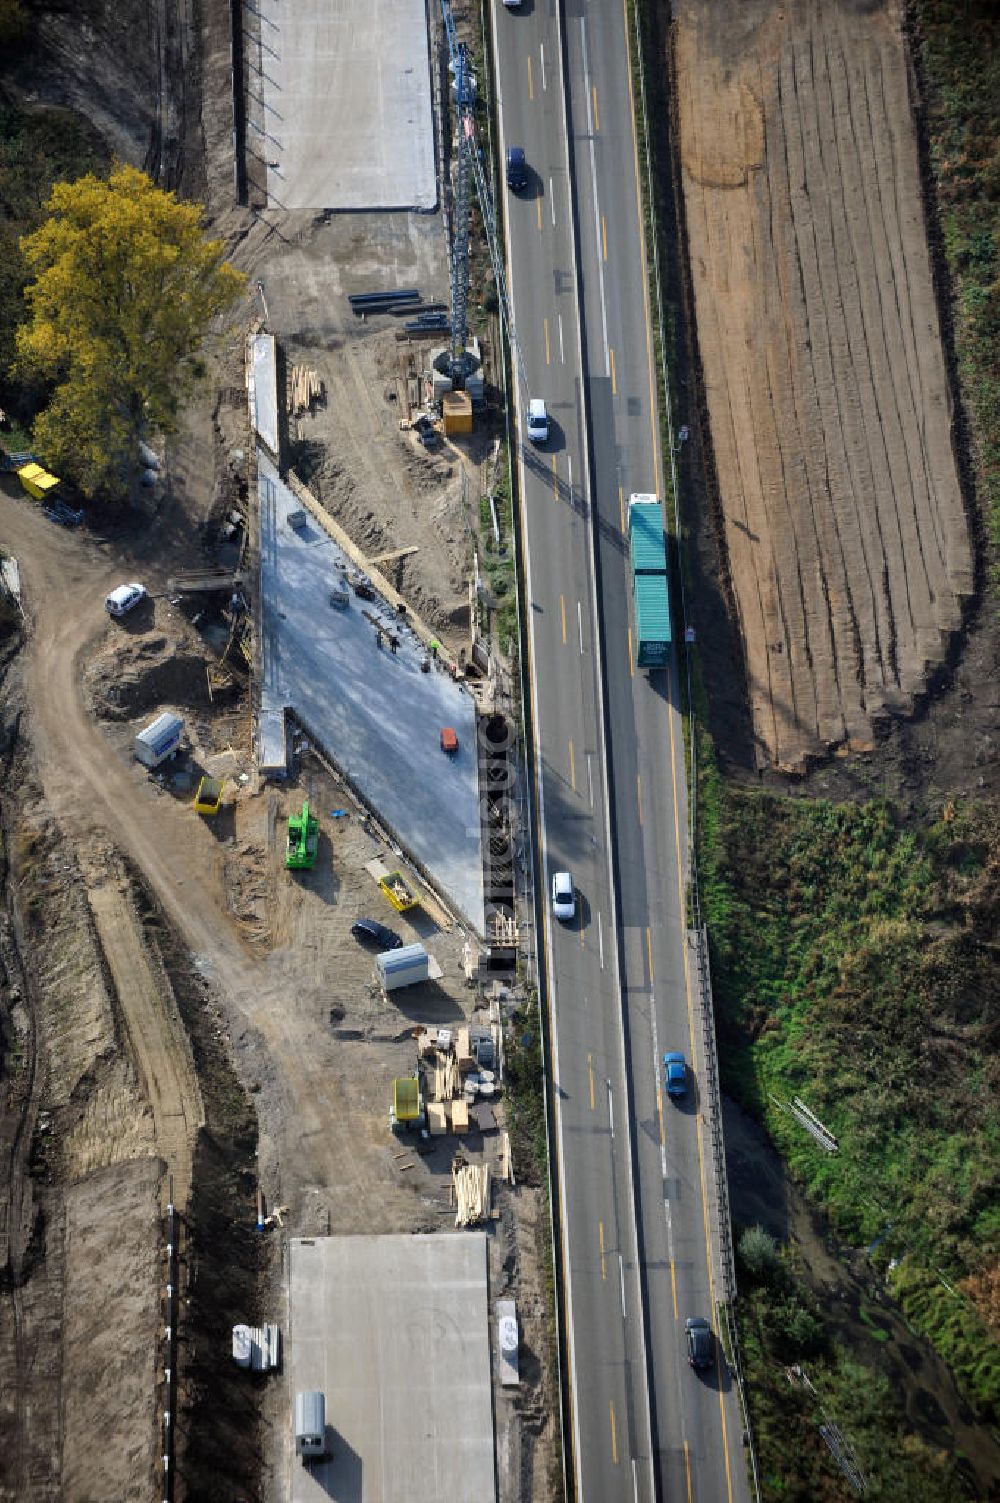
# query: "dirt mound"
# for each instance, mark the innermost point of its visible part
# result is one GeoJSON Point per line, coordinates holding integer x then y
{"type": "Point", "coordinates": [139, 674]}
{"type": "Point", "coordinates": [839, 504]}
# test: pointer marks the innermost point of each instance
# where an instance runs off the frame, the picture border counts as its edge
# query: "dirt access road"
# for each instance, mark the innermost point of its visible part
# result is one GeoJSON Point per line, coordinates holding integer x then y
{"type": "Point", "coordinates": [841, 515]}
{"type": "Point", "coordinates": [93, 793]}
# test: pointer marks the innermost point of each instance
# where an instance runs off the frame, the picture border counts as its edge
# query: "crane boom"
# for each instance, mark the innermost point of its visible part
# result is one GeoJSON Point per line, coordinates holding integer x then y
{"type": "Point", "coordinates": [469, 163]}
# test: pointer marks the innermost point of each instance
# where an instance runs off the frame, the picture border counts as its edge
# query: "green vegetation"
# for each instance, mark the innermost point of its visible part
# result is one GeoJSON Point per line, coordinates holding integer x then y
{"type": "Point", "coordinates": [798, 1379]}
{"type": "Point", "coordinates": [959, 47]}
{"type": "Point", "coordinates": [855, 966]}
{"type": "Point", "coordinates": [524, 1075]}
{"type": "Point", "coordinates": [497, 563]}
{"type": "Point", "coordinates": [13, 23]}
{"type": "Point", "coordinates": [124, 288]}
{"type": "Point", "coordinates": [38, 147]}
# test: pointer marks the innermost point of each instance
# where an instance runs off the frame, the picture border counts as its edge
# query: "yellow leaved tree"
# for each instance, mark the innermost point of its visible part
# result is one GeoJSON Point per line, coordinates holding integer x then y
{"type": "Point", "coordinates": [125, 288]}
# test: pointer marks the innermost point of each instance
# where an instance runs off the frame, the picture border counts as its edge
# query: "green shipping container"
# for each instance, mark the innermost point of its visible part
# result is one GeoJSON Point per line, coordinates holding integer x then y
{"type": "Point", "coordinates": [652, 619]}
{"type": "Point", "coordinates": [646, 541]}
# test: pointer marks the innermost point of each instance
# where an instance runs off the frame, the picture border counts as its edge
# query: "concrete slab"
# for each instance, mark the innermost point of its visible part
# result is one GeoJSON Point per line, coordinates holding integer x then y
{"type": "Point", "coordinates": [375, 714]}
{"type": "Point", "coordinates": [347, 115]}
{"type": "Point", "coordinates": [394, 1330]}
{"type": "Point", "coordinates": [264, 390]}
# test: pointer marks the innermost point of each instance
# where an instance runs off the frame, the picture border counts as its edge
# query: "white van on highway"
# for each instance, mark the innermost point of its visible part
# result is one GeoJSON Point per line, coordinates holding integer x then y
{"type": "Point", "coordinates": [538, 421]}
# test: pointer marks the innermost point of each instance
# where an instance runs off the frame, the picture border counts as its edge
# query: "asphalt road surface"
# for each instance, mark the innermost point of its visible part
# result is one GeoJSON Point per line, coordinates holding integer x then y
{"type": "Point", "coordinates": [634, 1172]}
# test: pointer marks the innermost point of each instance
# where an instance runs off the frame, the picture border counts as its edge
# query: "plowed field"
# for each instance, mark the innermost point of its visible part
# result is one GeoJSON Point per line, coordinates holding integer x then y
{"type": "Point", "coordinates": [841, 514]}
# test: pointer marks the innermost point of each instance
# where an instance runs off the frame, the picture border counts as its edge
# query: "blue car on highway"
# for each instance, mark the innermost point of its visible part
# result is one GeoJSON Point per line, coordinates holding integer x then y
{"type": "Point", "coordinates": [675, 1070]}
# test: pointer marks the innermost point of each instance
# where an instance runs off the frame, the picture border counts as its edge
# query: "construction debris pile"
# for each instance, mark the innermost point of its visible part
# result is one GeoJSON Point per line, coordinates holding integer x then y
{"type": "Point", "coordinates": [461, 1081]}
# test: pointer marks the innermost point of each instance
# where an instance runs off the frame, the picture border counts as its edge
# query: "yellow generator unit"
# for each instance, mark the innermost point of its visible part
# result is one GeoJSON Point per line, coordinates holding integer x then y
{"type": "Point", "coordinates": [407, 1110]}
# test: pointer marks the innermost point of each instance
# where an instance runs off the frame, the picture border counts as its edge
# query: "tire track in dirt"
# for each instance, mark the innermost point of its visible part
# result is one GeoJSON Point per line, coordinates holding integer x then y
{"type": "Point", "coordinates": [848, 545]}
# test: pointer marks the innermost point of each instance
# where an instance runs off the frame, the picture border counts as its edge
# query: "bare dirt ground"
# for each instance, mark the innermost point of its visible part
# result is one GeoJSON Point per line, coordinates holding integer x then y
{"type": "Point", "coordinates": [848, 550]}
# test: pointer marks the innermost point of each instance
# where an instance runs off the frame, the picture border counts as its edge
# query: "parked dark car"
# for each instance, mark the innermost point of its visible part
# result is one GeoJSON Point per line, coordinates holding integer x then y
{"type": "Point", "coordinates": [371, 932]}
{"type": "Point", "coordinates": [517, 171]}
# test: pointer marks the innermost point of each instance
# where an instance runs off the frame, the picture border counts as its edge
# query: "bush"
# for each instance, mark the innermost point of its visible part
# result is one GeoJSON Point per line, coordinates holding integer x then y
{"type": "Point", "coordinates": [758, 1254]}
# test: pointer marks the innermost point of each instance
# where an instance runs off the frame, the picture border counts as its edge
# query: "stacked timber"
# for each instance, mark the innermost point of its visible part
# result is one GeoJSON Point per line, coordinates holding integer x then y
{"type": "Point", "coordinates": [472, 1193]}
{"type": "Point", "coordinates": [304, 388]}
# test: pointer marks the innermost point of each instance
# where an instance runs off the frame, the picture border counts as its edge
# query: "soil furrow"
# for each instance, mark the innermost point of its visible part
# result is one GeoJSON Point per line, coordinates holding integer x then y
{"type": "Point", "coordinates": [846, 541]}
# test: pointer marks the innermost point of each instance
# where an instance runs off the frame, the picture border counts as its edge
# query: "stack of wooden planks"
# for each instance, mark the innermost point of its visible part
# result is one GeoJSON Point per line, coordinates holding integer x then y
{"type": "Point", "coordinates": [304, 388]}
{"type": "Point", "coordinates": [446, 1080]}
{"type": "Point", "coordinates": [472, 1193]}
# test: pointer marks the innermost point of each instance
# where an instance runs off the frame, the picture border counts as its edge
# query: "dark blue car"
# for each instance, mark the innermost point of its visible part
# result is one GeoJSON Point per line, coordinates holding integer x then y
{"type": "Point", "coordinates": [676, 1074]}
{"type": "Point", "coordinates": [517, 172]}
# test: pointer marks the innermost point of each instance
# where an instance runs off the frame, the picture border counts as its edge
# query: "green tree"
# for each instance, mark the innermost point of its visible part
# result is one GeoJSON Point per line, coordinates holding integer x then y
{"type": "Point", "coordinates": [13, 23]}
{"type": "Point", "coordinates": [125, 286]}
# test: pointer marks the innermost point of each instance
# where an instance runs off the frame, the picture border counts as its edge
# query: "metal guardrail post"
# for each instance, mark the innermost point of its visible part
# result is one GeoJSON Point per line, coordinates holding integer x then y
{"type": "Point", "coordinates": [714, 1092]}
{"type": "Point", "coordinates": [169, 1420]}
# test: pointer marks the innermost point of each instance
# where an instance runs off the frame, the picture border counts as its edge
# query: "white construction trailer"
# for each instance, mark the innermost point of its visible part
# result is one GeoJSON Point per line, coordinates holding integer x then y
{"type": "Point", "coordinates": [159, 740]}
{"type": "Point", "coordinates": [403, 967]}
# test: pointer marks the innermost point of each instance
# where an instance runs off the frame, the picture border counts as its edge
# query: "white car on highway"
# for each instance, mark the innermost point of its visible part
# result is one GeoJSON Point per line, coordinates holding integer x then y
{"type": "Point", "coordinates": [563, 896]}
{"type": "Point", "coordinates": [538, 421]}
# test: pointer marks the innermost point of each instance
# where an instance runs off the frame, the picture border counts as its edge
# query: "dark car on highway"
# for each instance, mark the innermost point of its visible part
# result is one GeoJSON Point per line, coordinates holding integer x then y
{"type": "Point", "coordinates": [517, 172]}
{"type": "Point", "coordinates": [371, 932]}
{"type": "Point", "coordinates": [699, 1341]}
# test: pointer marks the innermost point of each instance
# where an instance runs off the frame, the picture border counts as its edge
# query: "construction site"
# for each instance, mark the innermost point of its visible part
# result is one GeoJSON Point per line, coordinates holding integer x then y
{"type": "Point", "coordinates": [307, 729]}
{"type": "Point", "coordinates": [276, 1213]}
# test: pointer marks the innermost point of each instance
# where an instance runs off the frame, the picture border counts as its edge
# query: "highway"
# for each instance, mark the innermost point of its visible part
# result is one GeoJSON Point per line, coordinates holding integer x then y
{"type": "Point", "coordinates": [635, 1202]}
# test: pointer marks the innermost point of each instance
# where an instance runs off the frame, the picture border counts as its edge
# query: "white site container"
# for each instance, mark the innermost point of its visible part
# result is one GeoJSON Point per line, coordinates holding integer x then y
{"type": "Point", "coordinates": [403, 967]}
{"type": "Point", "coordinates": [242, 1345]}
{"type": "Point", "coordinates": [159, 740]}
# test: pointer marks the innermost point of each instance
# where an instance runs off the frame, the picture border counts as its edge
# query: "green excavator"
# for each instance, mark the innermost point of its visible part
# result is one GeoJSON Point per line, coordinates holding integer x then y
{"type": "Point", "coordinates": [303, 840]}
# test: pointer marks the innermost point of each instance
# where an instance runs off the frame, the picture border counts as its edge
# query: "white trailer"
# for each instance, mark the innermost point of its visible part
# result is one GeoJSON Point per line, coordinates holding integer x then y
{"type": "Point", "coordinates": [160, 740]}
{"type": "Point", "coordinates": [403, 967]}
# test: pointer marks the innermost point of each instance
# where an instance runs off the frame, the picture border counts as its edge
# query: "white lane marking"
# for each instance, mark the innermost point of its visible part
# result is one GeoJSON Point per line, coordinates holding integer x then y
{"type": "Point", "coordinates": [611, 1106]}
{"type": "Point", "coordinates": [590, 778]}
{"type": "Point", "coordinates": [569, 473]}
{"type": "Point", "coordinates": [562, 352]}
{"type": "Point", "coordinates": [593, 182]}
{"type": "Point", "coordinates": [579, 622]}
{"type": "Point", "coordinates": [541, 50]}
{"type": "Point", "coordinates": [542, 825]}
{"type": "Point", "coordinates": [656, 1081]}
{"type": "Point", "coordinates": [621, 1275]}
{"type": "Point", "coordinates": [552, 204]}
{"type": "Point", "coordinates": [635, 1482]}
{"type": "Point", "coordinates": [600, 937]}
